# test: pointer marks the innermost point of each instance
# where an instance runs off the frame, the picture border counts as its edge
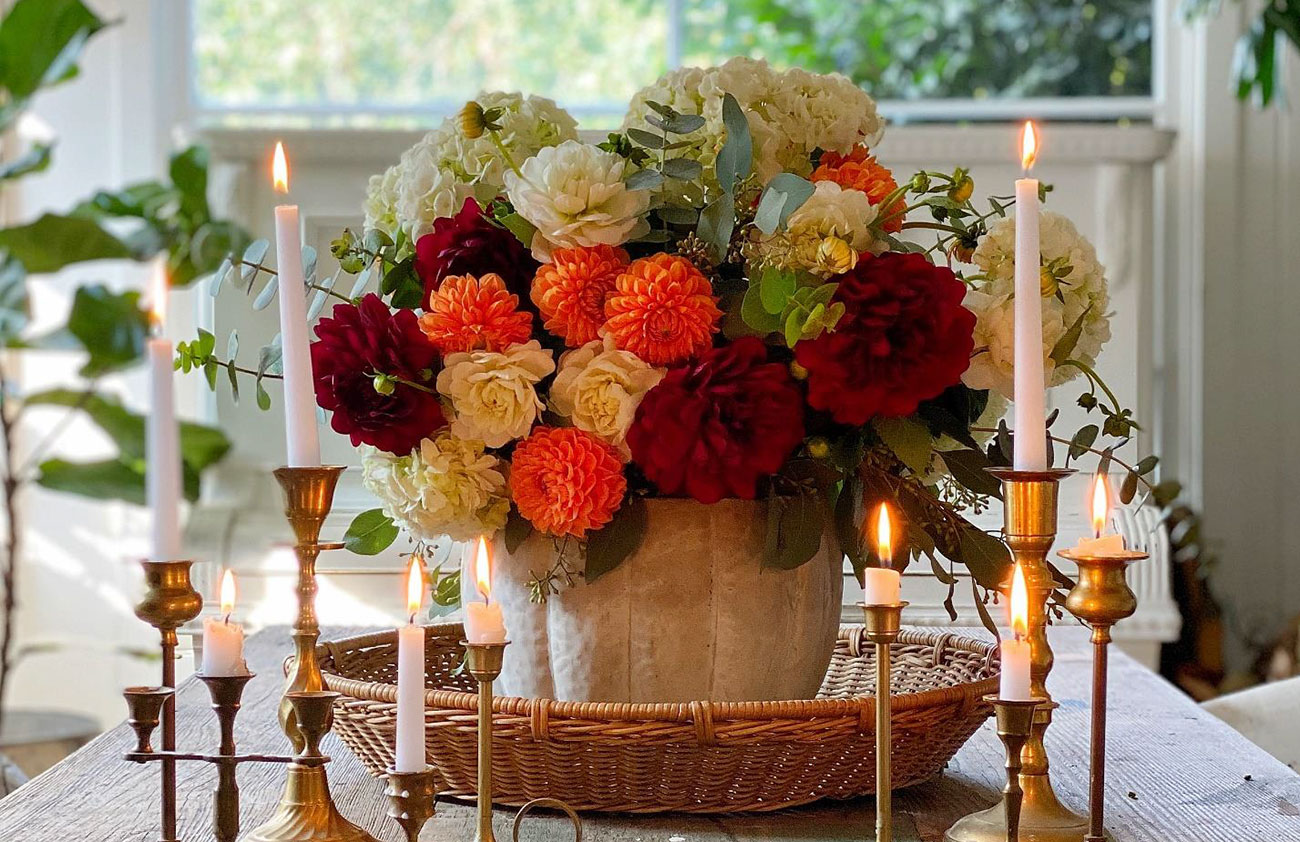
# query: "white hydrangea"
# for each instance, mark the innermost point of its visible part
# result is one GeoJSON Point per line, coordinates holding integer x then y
{"type": "Point", "coordinates": [599, 387]}
{"type": "Point", "coordinates": [575, 196]}
{"type": "Point", "coordinates": [445, 486]}
{"type": "Point", "coordinates": [381, 201]}
{"type": "Point", "coordinates": [437, 174]}
{"type": "Point", "coordinates": [1083, 291]}
{"type": "Point", "coordinates": [830, 212]}
{"type": "Point", "coordinates": [790, 114]}
{"type": "Point", "coordinates": [494, 394]}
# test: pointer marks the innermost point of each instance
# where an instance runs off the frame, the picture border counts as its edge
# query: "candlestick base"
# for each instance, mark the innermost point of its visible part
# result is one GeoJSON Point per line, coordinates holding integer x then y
{"type": "Point", "coordinates": [306, 813]}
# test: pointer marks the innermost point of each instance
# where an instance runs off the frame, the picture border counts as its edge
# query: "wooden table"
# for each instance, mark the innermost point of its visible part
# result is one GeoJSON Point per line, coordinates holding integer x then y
{"type": "Point", "coordinates": [1176, 773]}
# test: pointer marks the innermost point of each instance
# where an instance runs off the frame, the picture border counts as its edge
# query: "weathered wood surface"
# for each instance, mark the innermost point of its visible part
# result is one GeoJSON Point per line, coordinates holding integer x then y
{"type": "Point", "coordinates": [1176, 774]}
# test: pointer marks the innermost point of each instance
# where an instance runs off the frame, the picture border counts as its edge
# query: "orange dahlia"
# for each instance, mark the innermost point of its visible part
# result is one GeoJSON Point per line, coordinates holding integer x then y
{"type": "Point", "coordinates": [662, 309]}
{"type": "Point", "coordinates": [566, 481]}
{"type": "Point", "coordinates": [570, 291]}
{"type": "Point", "coordinates": [475, 314]}
{"type": "Point", "coordinates": [859, 170]}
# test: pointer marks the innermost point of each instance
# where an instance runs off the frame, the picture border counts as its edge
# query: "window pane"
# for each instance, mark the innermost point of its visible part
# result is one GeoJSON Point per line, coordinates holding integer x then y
{"type": "Point", "coordinates": [939, 48]}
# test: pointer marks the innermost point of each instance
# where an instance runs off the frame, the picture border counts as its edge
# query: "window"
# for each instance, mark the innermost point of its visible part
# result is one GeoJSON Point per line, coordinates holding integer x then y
{"type": "Point", "coordinates": [414, 60]}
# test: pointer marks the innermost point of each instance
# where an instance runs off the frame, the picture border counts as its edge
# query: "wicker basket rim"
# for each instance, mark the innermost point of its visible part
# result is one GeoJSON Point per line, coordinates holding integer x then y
{"type": "Point", "coordinates": [965, 695]}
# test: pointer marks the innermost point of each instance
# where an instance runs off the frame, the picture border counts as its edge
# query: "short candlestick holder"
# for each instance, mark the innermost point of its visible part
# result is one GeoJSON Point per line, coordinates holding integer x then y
{"type": "Point", "coordinates": [484, 660]}
{"type": "Point", "coordinates": [883, 623]}
{"type": "Point", "coordinates": [1101, 597]}
{"type": "Point", "coordinates": [1015, 722]}
{"type": "Point", "coordinates": [1029, 527]}
{"type": "Point", "coordinates": [412, 796]}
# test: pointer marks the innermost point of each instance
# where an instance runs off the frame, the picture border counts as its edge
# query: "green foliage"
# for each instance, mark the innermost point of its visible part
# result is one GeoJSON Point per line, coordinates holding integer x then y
{"type": "Point", "coordinates": [794, 529]}
{"type": "Point", "coordinates": [370, 533]}
{"type": "Point", "coordinates": [782, 196]}
{"type": "Point", "coordinates": [40, 41]}
{"type": "Point", "coordinates": [53, 241]}
{"type": "Point", "coordinates": [610, 546]}
{"type": "Point", "coordinates": [1255, 63]}
{"type": "Point", "coordinates": [110, 326]}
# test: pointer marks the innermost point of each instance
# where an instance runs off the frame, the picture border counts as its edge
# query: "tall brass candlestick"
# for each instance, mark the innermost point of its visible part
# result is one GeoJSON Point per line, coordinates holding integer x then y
{"type": "Point", "coordinates": [306, 810]}
{"type": "Point", "coordinates": [1100, 598]}
{"type": "Point", "coordinates": [484, 662]}
{"type": "Point", "coordinates": [1029, 524]}
{"type": "Point", "coordinates": [883, 624]}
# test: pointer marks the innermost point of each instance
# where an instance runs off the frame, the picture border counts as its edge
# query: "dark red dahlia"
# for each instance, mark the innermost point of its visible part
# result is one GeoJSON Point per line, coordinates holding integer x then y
{"type": "Point", "coordinates": [904, 338]}
{"type": "Point", "coordinates": [469, 244]}
{"type": "Point", "coordinates": [714, 426]}
{"type": "Point", "coordinates": [355, 345]}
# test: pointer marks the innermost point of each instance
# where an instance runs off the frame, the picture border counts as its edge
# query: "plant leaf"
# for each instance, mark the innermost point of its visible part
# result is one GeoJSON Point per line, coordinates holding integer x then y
{"type": "Point", "coordinates": [55, 241]}
{"type": "Point", "coordinates": [610, 546]}
{"type": "Point", "coordinates": [111, 326]}
{"type": "Point", "coordinates": [910, 441]}
{"type": "Point", "coordinates": [644, 180]}
{"type": "Point", "coordinates": [682, 169]}
{"type": "Point", "coordinates": [1082, 440]}
{"type": "Point", "coordinates": [370, 533]}
{"type": "Point", "coordinates": [716, 223]}
{"type": "Point", "coordinates": [517, 530]}
{"type": "Point", "coordinates": [104, 479]}
{"type": "Point", "coordinates": [784, 195]}
{"type": "Point", "coordinates": [1065, 346]}
{"type": "Point", "coordinates": [985, 556]}
{"type": "Point", "coordinates": [736, 157]}
{"type": "Point", "coordinates": [40, 41]}
{"type": "Point", "coordinates": [970, 469]}
{"type": "Point", "coordinates": [794, 530]}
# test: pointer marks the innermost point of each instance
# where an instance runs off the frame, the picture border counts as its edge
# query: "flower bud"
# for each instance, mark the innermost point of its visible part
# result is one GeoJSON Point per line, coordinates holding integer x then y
{"type": "Point", "coordinates": [962, 190]}
{"type": "Point", "coordinates": [819, 447]}
{"type": "Point", "coordinates": [384, 385]}
{"type": "Point", "coordinates": [835, 256]}
{"type": "Point", "coordinates": [1048, 283]}
{"type": "Point", "coordinates": [920, 182]}
{"type": "Point", "coordinates": [471, 120]}
{"type": "Point", "coordinates": [797, 371]}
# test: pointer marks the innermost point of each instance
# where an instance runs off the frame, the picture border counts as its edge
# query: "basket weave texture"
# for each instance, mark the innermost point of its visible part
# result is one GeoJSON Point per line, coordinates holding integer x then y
{"type": "Point", "coordinates": [699, 757]}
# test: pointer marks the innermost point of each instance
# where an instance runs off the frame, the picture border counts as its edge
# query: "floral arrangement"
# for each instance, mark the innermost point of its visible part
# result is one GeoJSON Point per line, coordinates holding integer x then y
{"type": "Point", "coordinates": [722, 299]}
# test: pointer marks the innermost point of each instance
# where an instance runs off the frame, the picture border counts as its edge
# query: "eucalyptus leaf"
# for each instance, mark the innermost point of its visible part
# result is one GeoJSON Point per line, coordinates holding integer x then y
{"type": "Point", "coordinates": [15, 308]}
{"type": "Point", "coordinates": [716, 223]}
{"type": "Point", "coordinates": [683, 123]}
{"type": "Point", "coordinates": [736, 158]}
{"type": "Point", "coordinates": [644, 180]}
{"type": "Point", "coordinates": [253, 254]}
{"type": "Point", "coordinates": [775, 286]}
{"type": "Point", "coordinates": [1082, 440]}
{"type": "Point", "coordinates": [647, 139]}
{"type": "Point", "coordinates": [683, 169]}
{"type": "Point", "coordinates": [1128, 489]}
{"type": "Point", "coordinates": [755, 315]}
{"type": "Point", "coordinates": [678, 216]}
{"type": "Point", "coordinates": [267, 295]}
{"type": "Point", "coordinates": [317, 304]}
{"type": "Point", "coordinates": [1065, 346]}
{"type": "Point", "coordinates": [219, 277]}
{"type": "Point", "coordinates": [784, 195]}
{"type": "Point", "coordinates": [309, 264]}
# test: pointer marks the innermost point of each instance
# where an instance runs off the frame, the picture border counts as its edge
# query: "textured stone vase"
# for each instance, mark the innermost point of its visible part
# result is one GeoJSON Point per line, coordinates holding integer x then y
{"type": "Point", "coordinates": [691, 615]}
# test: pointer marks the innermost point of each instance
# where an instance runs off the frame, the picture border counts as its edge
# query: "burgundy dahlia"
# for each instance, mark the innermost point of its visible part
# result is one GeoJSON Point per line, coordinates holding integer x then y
{"type": "Point", "coordinates": [469, 244]}
{"type": "Point", "coordinates": [360, 342]}
{"type": "Point", "coordinates": [714, 426]}
{"type": "Point", "coordinates": [904, 338]}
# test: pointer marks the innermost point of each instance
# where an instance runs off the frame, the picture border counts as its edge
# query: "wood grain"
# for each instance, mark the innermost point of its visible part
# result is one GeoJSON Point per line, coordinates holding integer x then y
{"type": "Point", "coordinates": [1176, 773]}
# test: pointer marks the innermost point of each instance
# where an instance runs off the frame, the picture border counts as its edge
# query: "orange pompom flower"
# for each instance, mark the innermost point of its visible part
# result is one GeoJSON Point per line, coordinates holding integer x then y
{"type": "Point", "coordinates": [662, 309]}
{"type": "Point", "coordinates": [566, 481]}
{"type": "Point", "coordinates": [475, 314]}
{"type": "Point", "coordinates": [859, 170]}
{"type": "Point", "coordinates": [570, 291]}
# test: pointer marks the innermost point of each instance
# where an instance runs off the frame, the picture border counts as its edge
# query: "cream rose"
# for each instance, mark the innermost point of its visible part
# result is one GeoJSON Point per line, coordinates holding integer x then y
{"type": "Point", "coordinates": [599, 387]}
{"type": "Point", "coordinates": [493, 395]}
{"type": "Point", "coordinates": [830, 214]}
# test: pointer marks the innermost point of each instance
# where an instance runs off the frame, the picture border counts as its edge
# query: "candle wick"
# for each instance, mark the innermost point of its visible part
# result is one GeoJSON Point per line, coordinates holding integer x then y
{"type": "Point", "coordinates": [227, 620]}
{"type": "Point", "coordinates": [411, 619]}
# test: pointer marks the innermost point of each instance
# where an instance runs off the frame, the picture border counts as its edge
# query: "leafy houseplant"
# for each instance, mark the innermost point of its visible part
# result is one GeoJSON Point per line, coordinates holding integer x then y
{"type": "Point", "coordinates": [40, 42]}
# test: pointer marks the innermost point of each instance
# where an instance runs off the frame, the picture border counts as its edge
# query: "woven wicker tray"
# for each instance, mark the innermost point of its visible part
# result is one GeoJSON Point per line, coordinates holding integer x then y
{"type": "Point", "coordinates": [700, 757]}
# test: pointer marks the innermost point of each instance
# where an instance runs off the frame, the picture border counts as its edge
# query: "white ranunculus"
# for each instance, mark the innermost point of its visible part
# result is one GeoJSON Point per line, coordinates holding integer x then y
{"type": "Point", "coordinates": [831, 211]}
{"type": "Point", "coordinates": [1083, 294]}
{"type": "Point", "coordinates": [575, 196]}
{"type": "Point", "coordinates": [493, 394]}
{"type": "Point", "coordinates": [445, 486]}
{"type": "Point", "coordinates": [599, 387]}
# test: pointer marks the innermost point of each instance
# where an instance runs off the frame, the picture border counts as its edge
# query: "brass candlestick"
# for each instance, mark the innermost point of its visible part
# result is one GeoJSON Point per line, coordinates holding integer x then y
{"type": "Point", "coordinates": [170, 602]}
{"type": "Point", "coordinates": [484, 663]}
{"type": "Point", "coordinates": [1029, 518]}
{"type": "Point", "coordinates": [1100, 598]}
{"type": "Point", "coordinates": [306, 810]}
{"type": "Point", "coordinates": [883, 624]}
{"type": "Point", "coordinates": [1015, 721]}
{"type": "Point", "coordinates": [412, 795]}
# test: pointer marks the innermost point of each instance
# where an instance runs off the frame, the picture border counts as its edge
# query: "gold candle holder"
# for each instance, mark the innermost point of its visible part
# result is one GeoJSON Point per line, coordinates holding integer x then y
{"type": "Point", "coordinates": [1029, 525]}
{"type": "Point", "coordinates": [306, 810]}
{"type": "Point", "coordinates": [1015, 722]}
{"type": "Point", "coordinates": [1101, 597]}
{"type": "Point", "coordinates": [226, 692]}
{"type": "Point", "coordinates": [170, 601]}
{"type": "Point", "coordinates": [883, 623]}
{"type": "Point", "coordinates": [412, 796]}
{"type": "Point", "coordinates": [484, 663]}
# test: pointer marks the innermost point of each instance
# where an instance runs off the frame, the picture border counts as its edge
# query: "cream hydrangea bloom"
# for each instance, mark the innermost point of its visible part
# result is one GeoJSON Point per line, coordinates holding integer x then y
{"type": "Point", "coordinates": [1084, 294]}
{"type": "Point", "coordinates": [575, 196]}
{"type": "Point", "coordinates": [381, 201]}
{"type": "Point", "coordinates": [831, 213]}
{"type": "Point", "coordinates": [445, 486]}
{"type": "Point", "coordinates": [599, 387]}
{"type": "Point", "coordinates": [494, 394]}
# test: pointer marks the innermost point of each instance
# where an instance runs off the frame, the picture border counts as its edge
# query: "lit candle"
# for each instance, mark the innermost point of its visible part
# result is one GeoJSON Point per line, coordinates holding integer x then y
{"type": "Point", "coordinates": [882, 585]}
{"type": "Point", "coordinates": [1101, 544]}
{"type": "Point", "coordinates": [483, 620]}
{"type": "Point", "coordinates": [163, 478]}
{"type": "Point", "coordinates": [1015, 650]}
{"type": "Point", "coordinates": [223, 641]}
{"type": "Point", "coordinates": [1030, 385]}
{"type": "Point", "coordinates": [410, 678]}
{"type": "Point", "coordinates": [299, 390]}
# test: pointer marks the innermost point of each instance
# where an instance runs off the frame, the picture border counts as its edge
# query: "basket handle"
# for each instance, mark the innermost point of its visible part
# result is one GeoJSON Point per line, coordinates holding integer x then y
{"type": "Point", "coordinates": [552, 803]}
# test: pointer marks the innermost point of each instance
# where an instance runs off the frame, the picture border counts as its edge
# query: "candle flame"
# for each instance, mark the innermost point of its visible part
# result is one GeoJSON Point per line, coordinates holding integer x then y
{"type": "Point", "coordinates": [1028, 146]}
{"type": "Point", "coordinates": [280, 169]}
{"type": "Point", "coordinates": [414, 587]}
{"type": "Point", "coordinates": [1100, 504]}
{"type": "Point", "coordinates": [884, 535]}
{"type": "Point", "coordinates": [227, 593]}
{"type": "Point", "coordinates": [157, 294]}
{"type": "Point", "coordinates": [1019, 604]}
{"type": "Point", "coordinates": [483, 569]}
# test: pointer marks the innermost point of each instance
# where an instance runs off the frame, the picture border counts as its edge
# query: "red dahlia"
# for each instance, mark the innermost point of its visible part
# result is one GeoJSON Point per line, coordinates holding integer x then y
{"type": "Point", "coordinates": [355, 345]}
{"type": "Point", "coordinates": [714, 426]}
{"type": "Point", "coordinates": [470, 244]}
{"type": "Point", "coordinates": [904, 338]}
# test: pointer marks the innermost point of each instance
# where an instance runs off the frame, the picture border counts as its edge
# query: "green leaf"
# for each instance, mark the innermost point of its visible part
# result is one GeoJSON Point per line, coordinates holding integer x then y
{"type": "Point", "coordinates": [775, 286]}
{"type": "Point", "coordinates": [267, 295]}
{"type": "Point", "coordinates": [755, 314]}
{"type": "Point", "coordinates": [678, 216]}
{"type": "Point", "coordinates": [1064, 346]}
{"type": "Point", "coordinates": [370, 533]}
{"type": "Point", "coordinates": [647, 139]}
{"type": "Point", "coordinates": [517, 530]}
{"type": "Point", "coordinates": [716, 223]}
{"type": "Point", "coordinates": [970, 469]}
{"type": "Point", "coordinates": [793, 331]}
{"type": "Point", "coordinates": [40, 41]}
{"type": "Point", "coordinates": [784, 195]}
{"type": "Point", "coordinates": [54, 241]}
{"type": "Point", "coordinates": [35, 159]}
{"type": "Point", "coordinates": [253, 254]}
{"type": "Point", "coordinates": [909, 440]}
{"type": "Point", "coordinates": [263, 399]}
{"type": "Point", "coordinates": [683, 123]}
{"type": "Point", "coordinates": [1166, 492]}
{"type": "Point", "coordinates": [644, 180]}
{"type": "Point", "coordinates": [446, 591]}
{"type": "Point", "coordinates": [189, 174]}
{"type": "Point", "coordinates": [848, 528]}
{"type": "Point", "coordinates": [610, 546]}
{"type": "Point", "coordinates": [520, 227]}
{"type": "Point", "coordinates": [408, 289]}
{"type": "Point", "coordinates": [985, 556]}
{"type": "Point", "coordinates": [1082, 440]}
{"type": "Point", "coordinates": [794, 530]}
{"type": "Point", "coordinates": [1147, 465]}
{"type": "Point", "coordinates": [682, 169]}
{"type": "Point", "coordinates": [105, 479]}
{"type": "Point", "coordinates": [15, 309]}
{"type": "Point", "coordinates": [1128, 490]}
{"type": "Point", "coordinates": [736, 157]}
{"type": "Point", "coordinates": [983, 611]}
{"type": "Point", "coordinates": [111, 326]}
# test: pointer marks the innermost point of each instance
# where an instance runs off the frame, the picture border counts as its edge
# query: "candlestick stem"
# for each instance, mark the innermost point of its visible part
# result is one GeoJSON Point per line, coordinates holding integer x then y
{"type": "Point", "coordinates": [484, 662]}
{"type": "Point", "coordinates": [1097, 740]}
{"type": "Point", "coordinates": [883, 623]}
{"type": "Point", "coordinates": [1015, 723]}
